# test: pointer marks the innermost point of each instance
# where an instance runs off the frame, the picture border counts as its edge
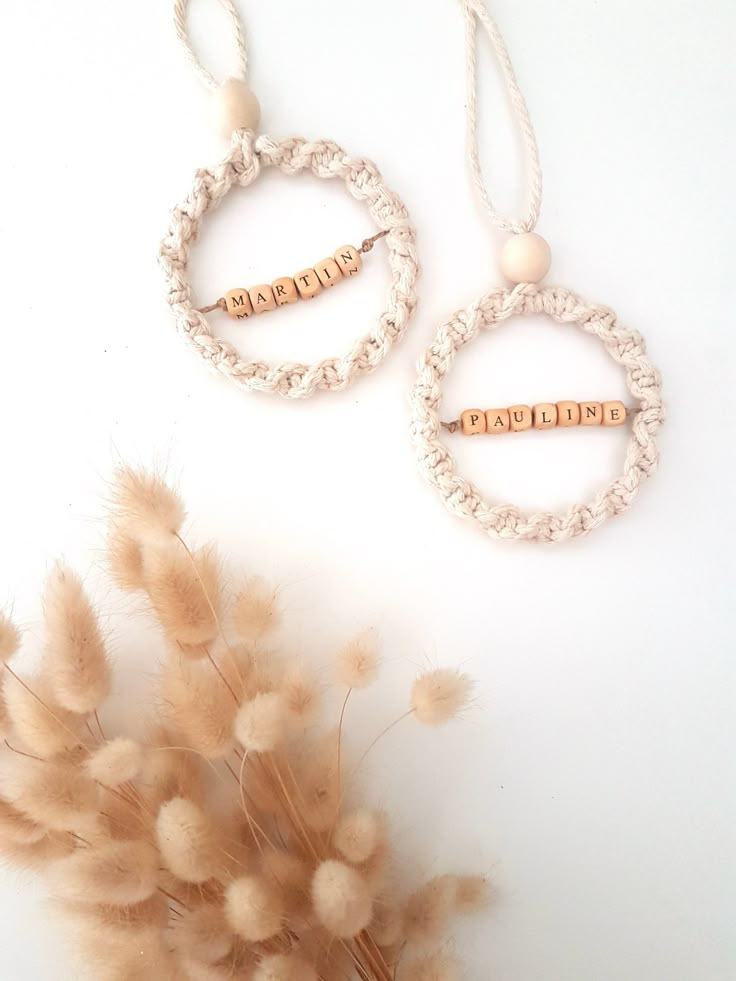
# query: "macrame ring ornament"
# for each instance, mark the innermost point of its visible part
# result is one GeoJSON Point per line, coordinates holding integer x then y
{"type": "Point", "coordinates": [462, 496]}
{"type": "Point", "coordinates": [242, 165]}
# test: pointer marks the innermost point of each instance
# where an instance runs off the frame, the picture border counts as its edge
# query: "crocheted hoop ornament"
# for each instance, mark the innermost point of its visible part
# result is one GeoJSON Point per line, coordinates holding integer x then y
{"type": "Point", "coordinates": [242, 165]}
{"type": "Point", "coordinates": [437, 464]}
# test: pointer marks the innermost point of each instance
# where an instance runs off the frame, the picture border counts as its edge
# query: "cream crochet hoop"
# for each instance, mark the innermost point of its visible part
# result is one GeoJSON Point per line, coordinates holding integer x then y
{"type": "Point", "coordinates": [437, 464]}
{"type": "Point", "coordinates": [248, 154]}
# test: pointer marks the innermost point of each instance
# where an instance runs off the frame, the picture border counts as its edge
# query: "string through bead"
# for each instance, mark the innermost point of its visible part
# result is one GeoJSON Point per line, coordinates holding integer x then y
{"type": "Point", "coordinates": [182, 32]}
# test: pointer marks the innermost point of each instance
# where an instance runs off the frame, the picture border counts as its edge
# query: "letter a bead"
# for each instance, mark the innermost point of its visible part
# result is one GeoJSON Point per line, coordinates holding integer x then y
{"type": "Point", "coordinates": [348, 260]}
{"type": "Point", "coordinates": [473, 422]}
{"type": "Point", "coordinates": [545, 415]}
{"type": "Point", "coordinates": [238, 304]}
{"type": "Point", "coordinates": [520, 418]}
{"type": "Point", "coordinates": [614, 413]}
{"type": "Point", "coordinates": [497, 421]}
{"type": "Point", "coordinates": [261, 297]}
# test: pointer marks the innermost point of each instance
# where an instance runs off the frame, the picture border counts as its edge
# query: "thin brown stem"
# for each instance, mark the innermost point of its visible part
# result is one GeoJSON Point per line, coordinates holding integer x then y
{"type": "Point", "coordinates": [20, 752]}
{"type": "Point", "coordinates": [41, 702]}
{"type": "Point", "coordinates": [379, 737]}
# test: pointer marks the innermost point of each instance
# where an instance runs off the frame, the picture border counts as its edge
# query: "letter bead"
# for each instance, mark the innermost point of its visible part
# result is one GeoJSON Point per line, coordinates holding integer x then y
{"type": "Point", "coordinates": [348, 260]}
{"type": "Point", "coordinates": [568, 414]}
{"type": "Point", "coordinates": [473, 422]}
{"type": "Point", "coordinates": [497, 421]}
{"type": "Point", "coordinates": [284, 291]}
{"type": "Point", "coordinates": [591, 413]}
{"type": "Point", "coordinates": [614, 413]}
{"type": "Point", "coordinates": [520, 418]}
{"type": "Point", "coordinates": [261, 298]}
{"type": "Point", "coordinates": [328, 272]}
{"type": "Point", "coordinates": [545, 415]}
{"type": "Point", "coordinates": [237, 303]}
{"type": "Point", "coordinates": [308, 284]}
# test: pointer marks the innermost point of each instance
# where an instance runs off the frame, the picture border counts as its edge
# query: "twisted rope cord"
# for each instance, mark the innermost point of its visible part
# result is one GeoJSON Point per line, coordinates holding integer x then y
{"type": "Point", "coordinates": [475, 12]}
{"type": "Point", "coordinates": [241, 167]}
{"type": "Point", "coordinates": [437, 463]}
{"type": "Point", "coordinates": [180, 25]}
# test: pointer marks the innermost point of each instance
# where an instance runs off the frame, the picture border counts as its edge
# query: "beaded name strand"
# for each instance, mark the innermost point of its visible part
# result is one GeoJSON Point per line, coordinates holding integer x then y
{"type": "Point", "coordinates": [543, 415]}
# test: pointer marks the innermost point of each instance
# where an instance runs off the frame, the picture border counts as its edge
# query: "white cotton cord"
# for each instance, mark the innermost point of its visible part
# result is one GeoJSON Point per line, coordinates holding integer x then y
{"type": "Point", "coordinates": [475, 13]}
{"type": "Point", "coordinates": [180, 23]}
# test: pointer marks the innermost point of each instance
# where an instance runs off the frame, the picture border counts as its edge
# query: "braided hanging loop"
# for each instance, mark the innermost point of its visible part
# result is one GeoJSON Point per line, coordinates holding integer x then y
{"type": "Point", "coordinates": [241, 167]}
{"type": "Point", "coordinates": [462, 496]}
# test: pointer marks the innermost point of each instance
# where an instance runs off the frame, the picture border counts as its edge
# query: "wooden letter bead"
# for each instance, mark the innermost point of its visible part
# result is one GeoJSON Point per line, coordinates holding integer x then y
{"type": "Point", "coordinates": [308, 284]}
{"type": "Point", "coordinates": [591, 413]}
{"type": "Point", "coordinates": [328, 272]}
{"type": "Point", "coordinates": [473, 422]}
{"type": "Point", "coordinates": [262, 298]}
{"type": "Point", "coordinates": [497, 421]}
{"type": "Point", "coordinates": [520, 418]}
{"type": "Point", "coordinates": [238, 304]}
{"type": "Point", "coordinates": [568, 414]}
{"type": "Point", "coordinates": [614, 413]}
{"type": "Point", "coordinates": [545, 415]}
{"type": "Point", "coordinates": [348, 260]}
{"type": "Point", "coordinates": [284, 291]}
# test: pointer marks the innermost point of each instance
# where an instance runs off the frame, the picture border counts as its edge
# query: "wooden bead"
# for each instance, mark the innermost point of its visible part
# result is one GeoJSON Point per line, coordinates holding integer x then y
{"type": "Point", "coordinates": [614, 413]}
{"type": "Point", "coordinates": [284, 291]}
{"type": "Point", "coordinates": [262, 299]}
{"type": "Point", "coordinates": [238, 304]}
{"type": "Point", "coordinates": [497, 421]}
{"type": "Point", "coordinates": [348, 260]}
{"type": "Point", "coordinates": [235, 107]}
{"type": "Point", "coordinates": [525, 258]}
{"type": "Point", "coordinates": [328, 272]}
{"type": "Point", "coordinates": [308, 284]}
{"type": "Point", "coordinates": [591, 413]}
{"type": "Point", "coordinates": [568, 414]}
{"type": "Point", "coordinates": [520, 418]}
{"type": "Point", "coordinates": [473, 422]}
{"type": "Point", "coordinates": [545, 415]}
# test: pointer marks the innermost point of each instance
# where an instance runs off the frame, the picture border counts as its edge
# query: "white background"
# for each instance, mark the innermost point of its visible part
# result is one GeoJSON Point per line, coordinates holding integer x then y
{"type": "Point", "coordinates": [593, 778]}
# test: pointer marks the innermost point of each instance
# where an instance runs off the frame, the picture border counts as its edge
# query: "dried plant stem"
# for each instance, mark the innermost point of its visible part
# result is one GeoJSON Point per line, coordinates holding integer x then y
{"type": "Point", "coordinates": [339, 759]}
{"type": "Point", "coordinates": [20, 752]}
{"type": "Point", "coordinates": [32, 693]}
{"type": "Point", "coordinates": [379, 737]}
{"type": "Point", "coordinates": [174, 899]}
{"type": "Point", "coordinates": [223, 679]}
{"type": "Point", "coordinates": [99, 725]}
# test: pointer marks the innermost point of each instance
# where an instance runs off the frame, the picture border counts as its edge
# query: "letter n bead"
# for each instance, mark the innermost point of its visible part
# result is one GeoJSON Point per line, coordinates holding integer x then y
{"type": "Point", "coordinates": [473, 422]}
{"type": "Point", "coordinates": [348, 260]}
{"type": "Point", "coordinates": [591, 413]}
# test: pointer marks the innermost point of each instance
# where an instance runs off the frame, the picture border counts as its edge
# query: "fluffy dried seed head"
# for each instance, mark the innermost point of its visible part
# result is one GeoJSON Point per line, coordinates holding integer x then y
{"type": "Point", "coordinates": [198, 705]}
{"type": "Point", "coordinates": [9, 638]}
{"type": "Point", "coordinates": [440, 966]}
{"type": "Point", "coordinates": [358, 662]}
{"type": "Point", "coordinates": [118, 873]}
{"type": "Point", "coordinates": [472, 892]}
{"type": "Point", "coordinates": [145, 506]}
{"type": "Point", "coordinates": [45, 728]}
{"type": "Point", "coordinates": [261, 724]}
{"type": "Point", "coordinates": [75, 658]}
{"type": "Point", "coordinates": [301, 693]}
{"type": "Point", "coordinates": [16, 827]}
{"type": "Point", "coordinates": [125, 558]}
{"type": "Point", "coordinates": [115, 762]}
{"type": "Point", "coordinates": [341, 899]}
{"type": "Point", "coordinates": [203, 933]}
{"type": "Point", "coordinates": [428, 910]}
{"type": "Point", "coordinates": [187, 840]}
{"type": "Point", "coordinates": [255, 611]}
{"type": "Point", "coordinates": [57, 796]}
{"type": "Point", "coordinates": [320, 784]}
{"type": "Point", "coordinates": [35, 855]}
{"type": "Point", "coordinates": [356, 835]}
{"type": "Point", "coordinates": [441, 695]}
{"type": "Point", "coordinates": [253, 908]}
{"type": "Point", "coordinates": [284, 967]}
{"type": "Point", "coordinates": [184, 591]}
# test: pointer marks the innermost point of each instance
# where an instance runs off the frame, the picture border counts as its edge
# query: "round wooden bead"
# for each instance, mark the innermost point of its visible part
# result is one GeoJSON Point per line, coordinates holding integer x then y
{"type": "Point", "coordinates": [235, 107]}
{"type": "Point", "coordinates": [525, 258]}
